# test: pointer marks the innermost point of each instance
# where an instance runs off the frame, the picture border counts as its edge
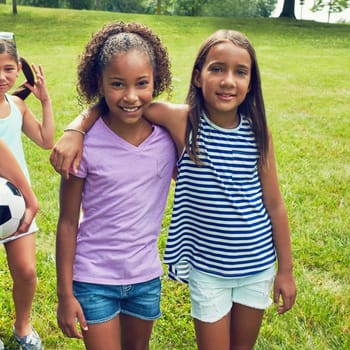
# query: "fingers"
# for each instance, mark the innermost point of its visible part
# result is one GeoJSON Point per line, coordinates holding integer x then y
{"type": "Point", "coordinates": [76, 161]}
{"type": "Point", "coordinates": [26, 221]}
{"type": "Point", "coordinates": [82, 322]}
{"type": "Point", "coordinates": [39, 89]}
{"type": "Point", "coordinates": [69, 328]}
{"type": "Point", "coordinates": [68, 323]}
{"type": "Point", "coordinates": [39, 71]}
{"type": "Point", "coordinates": [59, 163]}
{"type": "Point", "coordinates": [288, 300]}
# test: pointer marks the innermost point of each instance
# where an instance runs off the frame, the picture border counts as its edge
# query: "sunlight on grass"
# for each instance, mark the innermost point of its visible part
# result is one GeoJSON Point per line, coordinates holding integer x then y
{"type": "Point", "coordinates": [305, 71]}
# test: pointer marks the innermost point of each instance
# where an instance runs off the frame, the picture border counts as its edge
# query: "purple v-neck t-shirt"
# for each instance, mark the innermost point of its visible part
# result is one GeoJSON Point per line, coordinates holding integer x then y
{"type": "Point", "coordinates": [123, 201]}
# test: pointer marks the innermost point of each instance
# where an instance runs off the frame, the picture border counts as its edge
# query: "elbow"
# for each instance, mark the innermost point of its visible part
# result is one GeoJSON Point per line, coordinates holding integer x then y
{"type": "Point", "coordinates": [47, 145]}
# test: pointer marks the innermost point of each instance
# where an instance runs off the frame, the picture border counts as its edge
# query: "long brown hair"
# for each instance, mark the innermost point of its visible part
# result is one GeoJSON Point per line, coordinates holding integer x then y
{"type": "Point", "coordinates": [252, 107]}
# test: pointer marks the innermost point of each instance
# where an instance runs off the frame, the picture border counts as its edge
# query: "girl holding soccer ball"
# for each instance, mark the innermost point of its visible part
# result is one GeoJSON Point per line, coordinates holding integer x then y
{"type": "Point", "coordinates": [15, 117]}
{"type": "Point", "coordinates": [11, 170]}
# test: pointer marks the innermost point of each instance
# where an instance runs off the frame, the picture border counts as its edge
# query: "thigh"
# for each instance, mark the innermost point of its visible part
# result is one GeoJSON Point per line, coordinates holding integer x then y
{"type": "Point", "coordinates": [142, 300]}
{"type": "Point", "coordinates": [210, 300]}
{"type": "Point", "coordinates": [135, 333]}
{"type": "Point", "coordinates": [213, 335]}
{"type": "Point", "coordinates": [104, 335]}
{"type": "Point", "coordinates": [21, 255]}
{"type": "Point", "coordinates": [100, 303]}
{"type": "Point", "coordinates": [245, 325]}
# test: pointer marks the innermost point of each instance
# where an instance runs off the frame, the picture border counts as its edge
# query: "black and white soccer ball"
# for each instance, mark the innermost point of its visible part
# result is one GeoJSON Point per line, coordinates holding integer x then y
{"type": "Point", "coordinates": [12, 207]}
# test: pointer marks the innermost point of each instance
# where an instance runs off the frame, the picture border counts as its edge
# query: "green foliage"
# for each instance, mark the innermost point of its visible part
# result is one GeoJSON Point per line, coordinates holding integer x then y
{"type": "Point", "coordinates": [334, 6]}
{"type": "Point", "coordinates": [42, 3]}
{"type": "Point", "coordinates": [81, 4]}
{"type": "Point", "coordinates": [265, 7]}
{"type": "Point", "coordinates": [131, 6]}
{"type": "Point", "coordinates": [305, 71]}
{"type": "Point", "coordinates": [224, 8]}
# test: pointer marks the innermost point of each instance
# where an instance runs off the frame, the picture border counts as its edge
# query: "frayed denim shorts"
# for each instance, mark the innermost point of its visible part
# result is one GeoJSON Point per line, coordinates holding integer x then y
{"type": "Point", "coordinates": [212, 297]}
{"type": "Point", "coordinates": [101, 303]}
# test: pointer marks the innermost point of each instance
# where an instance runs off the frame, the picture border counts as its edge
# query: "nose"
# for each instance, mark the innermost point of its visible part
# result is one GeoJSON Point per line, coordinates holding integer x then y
{"type": "Point", "coordinates": [130, 96]}
{"type": "Point", "coordinates": [228, 80]}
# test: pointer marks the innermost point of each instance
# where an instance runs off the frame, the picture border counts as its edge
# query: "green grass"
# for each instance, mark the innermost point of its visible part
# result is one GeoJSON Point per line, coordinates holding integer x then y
{"type": "Point", "coordinates": [305, 70]}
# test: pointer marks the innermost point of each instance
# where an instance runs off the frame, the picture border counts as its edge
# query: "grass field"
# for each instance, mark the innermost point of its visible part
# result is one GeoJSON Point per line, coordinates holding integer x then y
{"type": "Point", "coordinates": [305, 70]}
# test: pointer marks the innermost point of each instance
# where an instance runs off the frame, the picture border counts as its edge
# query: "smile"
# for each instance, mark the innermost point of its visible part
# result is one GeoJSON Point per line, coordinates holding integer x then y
{"type": "Point", "coordinates": [130, 109]}
{"type": "Point", "coordinates": [225, 96]}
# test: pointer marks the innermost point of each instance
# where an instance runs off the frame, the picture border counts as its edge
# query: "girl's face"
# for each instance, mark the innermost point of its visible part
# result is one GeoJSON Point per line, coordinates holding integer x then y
{"type": "Point", "coordinates": [127, 86]}
{"type": "Point", "coordinates": [225, 82]}
{"type": "Point", "coordinates": [9, 70]}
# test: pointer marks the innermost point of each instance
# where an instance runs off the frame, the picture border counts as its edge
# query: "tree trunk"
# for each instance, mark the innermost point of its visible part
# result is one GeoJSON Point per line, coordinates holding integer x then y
{"type": "Point", "coordinates": [14, 7]}
{"type": "Point", "coordinates": [288, 9]}
{"type": "Point", "coordinates": [159, 7]}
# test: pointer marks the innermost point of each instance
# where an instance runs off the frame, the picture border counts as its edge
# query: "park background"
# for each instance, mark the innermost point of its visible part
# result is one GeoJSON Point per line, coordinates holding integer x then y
{"type": "Point", "coordinates": [305, 70]}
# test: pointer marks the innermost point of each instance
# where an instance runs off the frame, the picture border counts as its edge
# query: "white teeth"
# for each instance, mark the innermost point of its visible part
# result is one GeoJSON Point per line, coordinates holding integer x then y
{"type": "Point", "coordinates": [134, 109]}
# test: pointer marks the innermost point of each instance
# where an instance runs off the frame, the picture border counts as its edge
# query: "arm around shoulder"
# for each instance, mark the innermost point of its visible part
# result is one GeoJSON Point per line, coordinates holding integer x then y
{"type": "Point", "coordinates": [68, 150]}
{"type": "Point", "coordinates": [171, 116]}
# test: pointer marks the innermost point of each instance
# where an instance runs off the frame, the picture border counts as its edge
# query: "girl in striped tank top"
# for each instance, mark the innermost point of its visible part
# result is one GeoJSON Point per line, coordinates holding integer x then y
{"type": "Point", "coordinates": [229, 222]}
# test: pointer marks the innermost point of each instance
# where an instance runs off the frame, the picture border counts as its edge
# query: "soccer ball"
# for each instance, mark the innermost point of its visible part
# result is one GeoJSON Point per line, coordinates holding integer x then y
{"type": "Point", "coordinates": [12, 207]}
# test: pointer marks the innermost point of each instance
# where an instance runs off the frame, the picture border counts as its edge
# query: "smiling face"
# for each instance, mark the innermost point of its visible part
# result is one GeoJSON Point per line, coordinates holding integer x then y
{"type": "Point", "coordinates": [127, 85]}
{"type": "Point", "coordinates": [9, 70]}
{"type": "Point", "coordinates": [225, 81]}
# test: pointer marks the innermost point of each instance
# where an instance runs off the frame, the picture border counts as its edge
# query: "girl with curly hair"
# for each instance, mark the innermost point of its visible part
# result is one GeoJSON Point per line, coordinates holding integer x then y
{"type": "Point", "coordinates": [108, 267]}
{"type": "Point", "coordinates": [229, 223]}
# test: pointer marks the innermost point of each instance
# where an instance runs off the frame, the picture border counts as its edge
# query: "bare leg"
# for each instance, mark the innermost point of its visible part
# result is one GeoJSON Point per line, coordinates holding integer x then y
{"type": "Point", "coordinates": [22, 264]}
{"type": "Point", "coordinates": [213, 336]}
{"type": "Point", "coordinates": [136, 333]}
{"type": "Point", "coordinates": [238, 330]}
{"type": "Point", "coordinates": [245, 326]}
{"type": "Point", "coordinates": [104, 335]}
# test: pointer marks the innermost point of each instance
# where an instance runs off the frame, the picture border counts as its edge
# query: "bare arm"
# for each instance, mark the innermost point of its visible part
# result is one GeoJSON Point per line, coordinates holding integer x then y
{"type": "Point", "coordinates": [42, 133]}
{"type": "Point", "coordinates": [10, 169]}
{"type": "Point", "coordinates": [68, 307]}
{"type": "Point", "coordinates": [284, 285]}
{"type": "Point", "coordinates": [68, 150]}
{"type": "Point", "coordinates": [171, 116]}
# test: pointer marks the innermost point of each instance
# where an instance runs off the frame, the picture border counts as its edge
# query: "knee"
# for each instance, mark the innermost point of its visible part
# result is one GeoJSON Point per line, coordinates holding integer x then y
{"type": "Point", "coordinates": [26, 275]}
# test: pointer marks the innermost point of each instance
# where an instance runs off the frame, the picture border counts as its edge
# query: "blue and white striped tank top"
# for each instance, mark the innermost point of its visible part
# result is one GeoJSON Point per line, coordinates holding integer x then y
{"type": "Point", "coordinates": [219, 223]}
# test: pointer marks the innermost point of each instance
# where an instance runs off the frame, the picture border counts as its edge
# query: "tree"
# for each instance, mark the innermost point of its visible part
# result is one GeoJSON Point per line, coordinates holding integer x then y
{"type": "Point", "coordinates": [288, 9]}
{"type": "Point", "coordinates": [334, 6]}
{"type": "Point", "coordinates": [264, 8]}
{"type": "Point", "coordinates": [14, 7]}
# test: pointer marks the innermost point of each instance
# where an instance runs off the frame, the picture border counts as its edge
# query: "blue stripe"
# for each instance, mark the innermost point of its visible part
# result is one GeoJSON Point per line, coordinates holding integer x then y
{"type": "Point", "coordinates": [219, 223]}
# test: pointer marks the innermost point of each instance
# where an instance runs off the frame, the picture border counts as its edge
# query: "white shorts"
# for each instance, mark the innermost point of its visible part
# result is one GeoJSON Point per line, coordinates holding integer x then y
{"type": "Point", "coordinates": [212, 297]}
{"type": "Point", "coordinates": [32, 229]}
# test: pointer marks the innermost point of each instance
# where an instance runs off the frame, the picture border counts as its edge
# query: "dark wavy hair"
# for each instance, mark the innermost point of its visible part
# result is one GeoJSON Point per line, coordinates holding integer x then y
{"type": "Point", "coordinates": [9, 47]}
{"type": "Point", "coordinates": [114, 38]}
{"type": "Point", "coordinates": [252, 107]}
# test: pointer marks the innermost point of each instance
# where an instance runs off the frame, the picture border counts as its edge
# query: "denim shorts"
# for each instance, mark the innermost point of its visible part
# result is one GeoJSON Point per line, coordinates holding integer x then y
{"type": "Point", "coordinates": [101, 303]}
{"type": "Point", "coordinates": [212, 297]}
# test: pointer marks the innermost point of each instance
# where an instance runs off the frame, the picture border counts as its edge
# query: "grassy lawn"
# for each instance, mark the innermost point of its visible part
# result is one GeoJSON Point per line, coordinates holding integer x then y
{"type": "Point", "coordinates": [305, 71]}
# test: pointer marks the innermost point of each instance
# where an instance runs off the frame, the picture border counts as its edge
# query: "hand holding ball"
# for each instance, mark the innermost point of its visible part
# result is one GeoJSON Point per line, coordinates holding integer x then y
{"type": "Point", "coordinates": [12, 207]}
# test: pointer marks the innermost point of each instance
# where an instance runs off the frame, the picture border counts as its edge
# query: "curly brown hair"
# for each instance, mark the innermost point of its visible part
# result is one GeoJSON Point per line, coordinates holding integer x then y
{"type": "Point", "coordinates": [114, 38]}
